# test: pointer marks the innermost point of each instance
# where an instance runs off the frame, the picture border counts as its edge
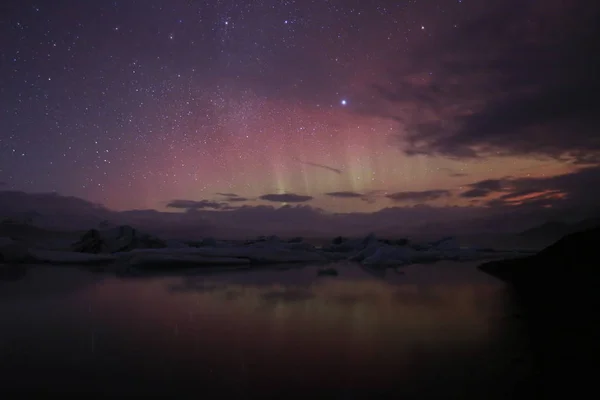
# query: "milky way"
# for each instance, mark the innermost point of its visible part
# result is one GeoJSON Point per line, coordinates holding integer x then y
{"type": "Point", "coordinates": [137, 103]}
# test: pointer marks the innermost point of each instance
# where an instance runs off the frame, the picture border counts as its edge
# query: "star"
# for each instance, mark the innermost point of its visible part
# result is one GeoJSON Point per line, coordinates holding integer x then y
{"type": "Point", "coordinates": [217, 96]}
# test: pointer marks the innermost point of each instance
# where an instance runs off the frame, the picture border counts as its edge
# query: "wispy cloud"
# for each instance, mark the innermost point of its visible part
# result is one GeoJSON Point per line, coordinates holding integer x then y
{"type": "Point", "coordinates": [323, 166]}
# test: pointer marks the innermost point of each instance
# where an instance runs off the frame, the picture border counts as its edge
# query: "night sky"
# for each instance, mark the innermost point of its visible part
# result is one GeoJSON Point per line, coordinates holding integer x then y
{"type": "Point", "coordinates": [345, 105]}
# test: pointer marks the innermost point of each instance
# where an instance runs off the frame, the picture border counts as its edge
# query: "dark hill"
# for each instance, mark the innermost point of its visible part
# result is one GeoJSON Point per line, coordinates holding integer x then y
{"type": "Point", "coordinates": [554, 230]}
{"type": "Point", "coordinates": [557, 292]}
{"type": "Point", "coordinates": [574, 254]}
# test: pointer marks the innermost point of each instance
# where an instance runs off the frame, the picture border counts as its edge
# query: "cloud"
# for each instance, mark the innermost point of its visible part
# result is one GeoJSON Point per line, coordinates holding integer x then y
{"type": "Point", "coordinates": [286, 198]}
{"type": "Point", "coordinates": [63, 212]}
{"type": "Point", "coordinates": [422, 196]}
{"type": "Point", "coordinates": [345, 195]}
{"type": "Point", "coordinates": [232, 197]}
{"type": "Point", "coordinates": [506, 204]}
{"type": "Point", "coordinates": [521, 79]}
{"type": "Point", "coordinates": [573, 189]}
{"type": "Point", "coordinates": [488, 184]}
{"type": "Point", "coordinates": [66, 211]}
{"type": "Point", "coordinates": [474, 193]}
{"type": "Point", "coordinates": [322, 166]}
{"type": "Point", "coordinates": [17, 201]}
{"type": "Point", "coordinates": [368, 197]}
{"type": "Point", "coordinates": [483, 188]}
{"type": "Point", "coordinates": [196, 204]}
{"type": "Point", "coordinates": [545, 198]}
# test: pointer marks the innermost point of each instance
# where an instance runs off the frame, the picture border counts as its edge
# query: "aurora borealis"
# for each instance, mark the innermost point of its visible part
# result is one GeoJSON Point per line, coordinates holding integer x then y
{"type": "Point", "coordinates": [348, 106]}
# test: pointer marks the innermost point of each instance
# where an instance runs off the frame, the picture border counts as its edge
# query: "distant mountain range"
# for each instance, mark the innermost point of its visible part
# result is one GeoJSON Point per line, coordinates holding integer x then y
{"type": "Point", "coordinates": [557, 229]}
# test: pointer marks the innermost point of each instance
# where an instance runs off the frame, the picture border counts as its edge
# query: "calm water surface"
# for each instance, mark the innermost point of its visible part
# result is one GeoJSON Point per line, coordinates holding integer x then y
{"type": "Point", "coordinates": [436, 330]}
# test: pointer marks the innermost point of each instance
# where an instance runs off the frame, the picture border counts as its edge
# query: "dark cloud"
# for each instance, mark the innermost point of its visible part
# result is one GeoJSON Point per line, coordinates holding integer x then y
{"type": "Point", "coordinates": [372, 196]}
{"type": "Point", "coordinates": [483, 188]}
{"type": "Point", "coordinates": [577, 189]}
{"type": "Point", "coordinates": [509, 204]}
{"type": "Point", "coordinates": [62, 212]}
{"type": "Point", "coordinates": [368, 197]}
{"type": "Point", "coordinates": [232, 197]}
{"type": "Point", "coordinates": [286, 198]}
{"type": "Point", "coordinates": [426, 195]}
{"type": "Point", "coordinates": [473, 193]}
{"type": "Point", "coordinates": [196, 204]}
{"type": "Point", "coordinates": [345, 195]}
{"type": "Point", "coordinates": [519, 80]}
{"type": "Point", "coordinates": [17, 201]}
{"type": "Point", "coordinates": [488, 184]}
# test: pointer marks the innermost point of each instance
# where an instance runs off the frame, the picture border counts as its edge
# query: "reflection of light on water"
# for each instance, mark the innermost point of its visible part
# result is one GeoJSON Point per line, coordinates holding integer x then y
{"type": "Point", "coordinates": [365, 303]}
{"type": "Point", "coordinates": [359, 311]}
{"type": "Point", "coordinates": [330, 332]}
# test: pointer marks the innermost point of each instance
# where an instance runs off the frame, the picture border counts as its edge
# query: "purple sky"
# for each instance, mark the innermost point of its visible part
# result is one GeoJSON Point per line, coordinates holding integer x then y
{"type": "Point", "coordinates": [236, 107]}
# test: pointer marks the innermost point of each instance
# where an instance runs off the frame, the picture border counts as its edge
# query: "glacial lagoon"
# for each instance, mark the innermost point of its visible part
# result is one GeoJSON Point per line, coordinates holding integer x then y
{"type": "Point", "coordinates": [443, 329]}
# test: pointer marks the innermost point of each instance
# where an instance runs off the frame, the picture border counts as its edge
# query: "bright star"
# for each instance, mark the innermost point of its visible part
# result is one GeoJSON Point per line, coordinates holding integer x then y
{"type": "Point", "coordinates": [344, 102]}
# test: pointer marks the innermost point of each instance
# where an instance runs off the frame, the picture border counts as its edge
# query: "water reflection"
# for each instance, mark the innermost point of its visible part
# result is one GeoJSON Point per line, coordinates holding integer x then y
{"type": "Point", "coordinates": [360, 309]}
{"type": "Point", "coordinates": [12, 272]}
{"type": "Point", "coordinates": [263, 331]}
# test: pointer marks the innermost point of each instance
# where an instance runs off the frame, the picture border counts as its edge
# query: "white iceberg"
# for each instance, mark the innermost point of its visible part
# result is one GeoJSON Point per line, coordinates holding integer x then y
{"type": "Point", "coordinates": [391, 255]}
